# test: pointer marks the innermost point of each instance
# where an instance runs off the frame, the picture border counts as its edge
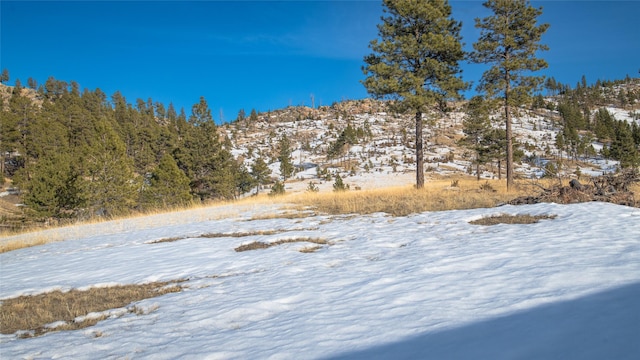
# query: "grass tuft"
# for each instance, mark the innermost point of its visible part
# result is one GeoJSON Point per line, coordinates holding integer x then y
{"type": "Point", "coordinates": [31, 314]}
{"type": "Point", "coordinates": [511, 219]}
{"type": "Point", "coordinates": [262, 245]}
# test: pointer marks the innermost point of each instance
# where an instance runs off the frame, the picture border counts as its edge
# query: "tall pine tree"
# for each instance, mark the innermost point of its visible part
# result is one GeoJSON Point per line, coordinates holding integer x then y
{"type": "Point", "coordinates": [415, 61]}
{"type": "Point", "coordinates": [509, 40]}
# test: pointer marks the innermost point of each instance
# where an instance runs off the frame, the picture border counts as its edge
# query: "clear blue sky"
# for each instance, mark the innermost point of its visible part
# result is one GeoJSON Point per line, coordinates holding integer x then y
{"type": "Point", "coordinates": [266, 54]}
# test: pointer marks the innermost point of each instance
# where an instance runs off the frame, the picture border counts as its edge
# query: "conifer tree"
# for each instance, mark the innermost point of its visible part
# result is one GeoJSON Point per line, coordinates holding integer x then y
{"type": "Point", "coordinates": [55, 187]}
{"type": "Point", "coordinates": [253, 116]}
{"type": "Point", "coordinates": [260, 172]}
{"type": "Point", "coordinates": [4, 77]}
{"type": "Point", "coordinates": [415, 61]}
{"type": "Point", "coordinates": [476, 127]}
{"type": "Point", "coordinates": [168, 185]}
{"type": "Point", "coordinates": [112, 188]}
{"type": "Point", "coordinates": [284, 156]}
{"type": "Point", "coordinates": [509, 40]}
{"type": "Point", "coordinates": [623, 147]}
{"type": "Point", "coordinates": [339, 184]}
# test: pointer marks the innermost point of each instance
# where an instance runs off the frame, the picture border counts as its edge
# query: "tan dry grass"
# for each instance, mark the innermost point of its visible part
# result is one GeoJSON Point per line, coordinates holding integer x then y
{"type": "Point", "coordinates": [261, 245]}
{"type": "Point", "coordinates": [511, 219]}
{"type": "Point", "coordinates": [232, 235]}
{"type": "Point", "coordinates": [34, 236]}
{"type": "Point", "coordinates": [32, 313]}
{"type": "Point", "coordinates": [437, 195]}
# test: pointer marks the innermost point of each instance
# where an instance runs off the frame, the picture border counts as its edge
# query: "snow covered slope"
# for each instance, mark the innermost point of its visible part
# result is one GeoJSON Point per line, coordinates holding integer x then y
{"type": "Point", "coordinates": [427, 286]}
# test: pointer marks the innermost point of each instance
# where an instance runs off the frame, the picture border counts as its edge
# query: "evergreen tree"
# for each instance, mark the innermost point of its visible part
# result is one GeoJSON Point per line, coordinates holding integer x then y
{"type": "Point", "coordinates": [509, 40]}
{"type": "Point", "coordinates": [277, 189]}
{"type": "Point", "coordinates": [284, 156]}
{"type": "Point", "coordinates": [623, 147]}
{"type": "Point", "coordinates": [32, 83]}
{"type": "Point", "coordinates": [112, 188]}
{"type": "Point", "coordinates": [168, 185]}
{"type": "Point", "coordinates": [339, 184]}
{"type": "Point", "coordinates": [260, 172]}
{"type": "Point", "coordinates": [241, 116]}
{"type": "Point", "coordinates": [476, 127]}
{"type": "Point", "coordinates": [416, 61]}
{"type": "Point", "coordinates": [55, 187]}
{"type": "Point", "coordinates": [253, 117]}
{"type": "Point", "coordinates": [4, 77]}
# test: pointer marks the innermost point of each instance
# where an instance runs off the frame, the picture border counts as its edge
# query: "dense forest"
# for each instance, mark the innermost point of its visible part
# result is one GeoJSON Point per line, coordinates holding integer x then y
{"type": "Point", "coordinates": [78, 153]}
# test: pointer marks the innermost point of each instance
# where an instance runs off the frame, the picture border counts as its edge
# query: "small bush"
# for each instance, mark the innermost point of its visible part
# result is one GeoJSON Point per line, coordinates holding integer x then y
{"type": "Point", "coordinates": [312, 187]}
{"type": "Point", "coordinates": [339, 185]}
{"type": "Point", "coordinates": [277, 189]}
{"type": "Point", "coordinates": [487, 187]}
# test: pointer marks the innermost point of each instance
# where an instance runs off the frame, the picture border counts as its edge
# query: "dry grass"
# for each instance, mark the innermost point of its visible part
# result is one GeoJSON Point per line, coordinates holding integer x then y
{"type": "Point", "coordinates": [10, 245]}
{"type": "Point", "coordinates": [511, 219]}
{"type": "Point", "coordinates": [437, 195]}
{"type": "Point", "coordinates": [310, 249]}
{"type": "Point", "coordinates": [38, 239]}
{"type": "Point", "coordinates": [32, 313]}
{"type": "Point", "coordinates": [261, 245]}
{"type": "Point", "coordinates": [232, 235]}
{"type": "Point", "coordinates": [284, 215]}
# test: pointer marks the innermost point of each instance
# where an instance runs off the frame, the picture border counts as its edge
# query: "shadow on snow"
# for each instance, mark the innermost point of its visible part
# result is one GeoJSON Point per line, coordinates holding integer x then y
{"type": "Point", "coordinates": [603, 325]}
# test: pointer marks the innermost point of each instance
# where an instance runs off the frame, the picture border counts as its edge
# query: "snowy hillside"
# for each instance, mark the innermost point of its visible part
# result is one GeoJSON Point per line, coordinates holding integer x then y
{"type": "Point", "coordinates": [384, 153]}
{"type": "Point", "coordinates": [426, 286]}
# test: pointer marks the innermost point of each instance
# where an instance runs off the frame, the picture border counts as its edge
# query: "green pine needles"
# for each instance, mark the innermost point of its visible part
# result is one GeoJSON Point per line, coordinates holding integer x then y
{"type": "Point", "coordinates": [415, 62]}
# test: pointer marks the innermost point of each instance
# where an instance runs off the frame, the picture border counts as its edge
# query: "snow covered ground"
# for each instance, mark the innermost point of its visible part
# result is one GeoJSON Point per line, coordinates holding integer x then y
{"type": "Point", "coordinates": [426, 286]}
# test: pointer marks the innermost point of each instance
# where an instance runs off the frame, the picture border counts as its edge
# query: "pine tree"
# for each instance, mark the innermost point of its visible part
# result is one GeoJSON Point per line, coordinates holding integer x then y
{"type": "Point", "coordinates": [509, 40]}
{"type": "Point", "coordinates": [416, 61]}
{"type": "Point", "coordinates": [476, 127]}
{"type": "Point", "coordinates": [4, 77]}
{"type": "Point", "coordinates": [260, 171]}
{"type": "Point", "coordinates": [339, 184]}
{"type": "Point", "coordinates": [253, 116]}
{"type": "Point", "coordinates": [168, 185]}
{"type": "Point", "coordinates": [284, 156]}
{"type": "Point", "coordinates": [112, 187]}
{"type": "Point", "coordinates": [55, 187]}
{"type": "Point", "coordinates": [623, 147]}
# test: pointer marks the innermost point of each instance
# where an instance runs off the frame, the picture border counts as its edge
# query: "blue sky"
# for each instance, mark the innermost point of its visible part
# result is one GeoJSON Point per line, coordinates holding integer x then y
{"type": "Point", "coordinates": [267, 54]}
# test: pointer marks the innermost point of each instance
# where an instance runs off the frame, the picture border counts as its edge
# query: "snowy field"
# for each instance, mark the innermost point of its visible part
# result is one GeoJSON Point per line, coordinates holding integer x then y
{"type": "Point", "coordinates": [426, 286]}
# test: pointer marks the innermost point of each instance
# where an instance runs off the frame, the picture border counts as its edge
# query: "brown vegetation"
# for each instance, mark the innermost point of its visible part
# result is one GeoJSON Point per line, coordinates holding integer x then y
{"type": "Point", "coordinates": [511, 219]}
{"type": "Point", "coordinates": [231, 235]}
{"type": "Point", "coordinates": [437, 195]}
{"type": "Point", "coordinates": [613, 188]}
{"type": "Point", "coordinates": [261, 245]}
{"type": "Point", "coordinates": [32, 313]}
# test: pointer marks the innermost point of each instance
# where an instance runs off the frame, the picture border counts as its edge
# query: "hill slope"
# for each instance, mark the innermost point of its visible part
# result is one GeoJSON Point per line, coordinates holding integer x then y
{"type": "Point", "coordinates": [430, 285]}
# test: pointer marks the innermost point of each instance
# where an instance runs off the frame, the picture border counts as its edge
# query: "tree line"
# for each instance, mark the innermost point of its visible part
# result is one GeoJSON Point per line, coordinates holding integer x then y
{"type": "Point", "coordinates": [78, 152]}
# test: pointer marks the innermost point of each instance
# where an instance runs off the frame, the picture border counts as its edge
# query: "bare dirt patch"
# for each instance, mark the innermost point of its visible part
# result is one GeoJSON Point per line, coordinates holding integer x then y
{"type": "Point", "coordinates": [31, 314]}
{"type": "Point", "coordinates": [262, 245]}
{"type": "Point", "coordinates": [511, 219]}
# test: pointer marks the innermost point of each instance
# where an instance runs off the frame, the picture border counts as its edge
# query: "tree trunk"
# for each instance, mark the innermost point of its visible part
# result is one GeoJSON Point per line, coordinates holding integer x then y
{"type": "Point", "coordinates": [419, 152]}
{"type": "Point", "coordinates": [508, 133]}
